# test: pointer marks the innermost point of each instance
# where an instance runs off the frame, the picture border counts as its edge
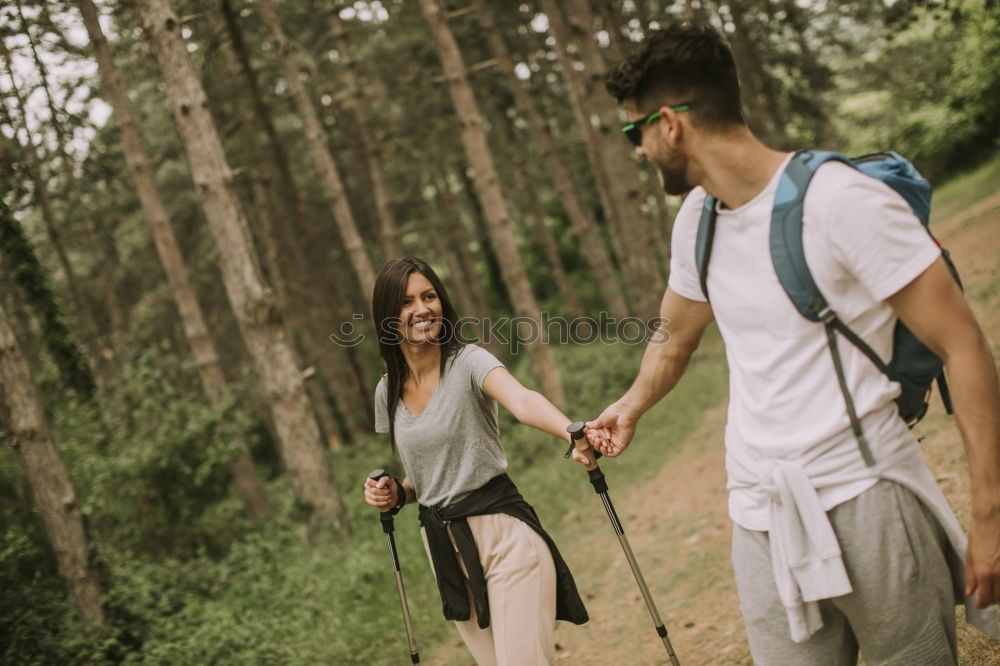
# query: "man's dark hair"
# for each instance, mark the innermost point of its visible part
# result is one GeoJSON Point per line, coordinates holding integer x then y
{"type": "Point", "coordinates": [682, 64]}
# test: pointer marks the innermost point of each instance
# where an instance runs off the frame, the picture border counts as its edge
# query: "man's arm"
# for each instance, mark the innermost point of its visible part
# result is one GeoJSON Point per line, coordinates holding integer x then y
{"type": "Point", "coordinates": [933, 307]}
{"type": "Point", "coordinates": [663, 363]}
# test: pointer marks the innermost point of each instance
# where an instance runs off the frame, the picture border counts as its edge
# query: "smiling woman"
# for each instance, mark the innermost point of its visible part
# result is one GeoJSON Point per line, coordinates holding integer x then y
{"type": "Point", "coordinates": [502, 579]}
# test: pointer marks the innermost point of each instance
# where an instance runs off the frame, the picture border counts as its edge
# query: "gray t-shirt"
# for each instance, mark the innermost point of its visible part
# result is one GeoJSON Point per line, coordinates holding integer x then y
{"type": "Point", "coordinates": [453, 446]}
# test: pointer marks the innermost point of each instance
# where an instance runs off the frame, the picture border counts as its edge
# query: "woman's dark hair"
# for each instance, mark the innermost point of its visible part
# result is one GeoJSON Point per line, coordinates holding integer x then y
{"type": "Point", "coordinates": [387, 303]}
{"type": "Point", "coordinates": [682, 64]}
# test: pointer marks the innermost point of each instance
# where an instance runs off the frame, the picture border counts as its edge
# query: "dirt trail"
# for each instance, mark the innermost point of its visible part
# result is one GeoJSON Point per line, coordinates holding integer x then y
{"type": "Point", "coordinates": [682, 541]}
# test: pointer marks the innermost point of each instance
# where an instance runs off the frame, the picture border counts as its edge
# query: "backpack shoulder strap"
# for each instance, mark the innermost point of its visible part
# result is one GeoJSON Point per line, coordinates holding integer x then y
{"type": "Point", "coordinates": [703, 241]}
{"type": "Point", "coordinates": [789, 259]}
{"type": "Point", "coordinates": [787, 253]}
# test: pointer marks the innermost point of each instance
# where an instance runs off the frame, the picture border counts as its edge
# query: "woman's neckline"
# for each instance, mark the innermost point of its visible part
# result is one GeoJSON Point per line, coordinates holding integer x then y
{"type": "Point", "coordinates": [429, 400]}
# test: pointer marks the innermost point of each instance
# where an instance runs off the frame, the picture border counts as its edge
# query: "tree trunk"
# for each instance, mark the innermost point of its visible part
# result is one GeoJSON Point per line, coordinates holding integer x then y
{"type": "Point", "coordinates": [642, 13]}
{"type": "Point", "coordinates": [488, 187]}
{"type": "Point", "coordinates": [550, 248]}
{"type": "Point", "coordinates": [260, 321]}
{"type": "Point", "coordinates": [22, 417]}
{"type": "Point", "coordinates": [245, 476]}
{"type": "Point", "coordinates": [291, 280]}
{"type": "Point", "coordinates": [817, 73]}
{"type": "Point", "coordinates": [99, 248]}
{"type": "Point", "coordinates": [458, 282]}
{"type": "Point", "coordinates": [643, 271]}
{"type": "Point", "coordinates": [467, 195]}
{"type": "Point", "coordinates": [295, 207]}
{"type": "Point", "coordinates": [587, 231]}
{"type": "Point", "coordinates": [319, 151]}
{"type": "Point", "coordinates": [616, 173]}
{"type": "Point", "coordinates": [660, 218]}
{"type": "Point", "coordinates": [341, 368]}
{"type": "Point", "coordinates": [20, 314]}
{"type": "Point", "coordinates": [753, 78]}
{"type": "Point", "coordinates": [44, 200]}
{"type": "Point", "coordinates": [612, 19]}
{"type": "Point", "coordinates": [451, 246]}
{"type": "Point", "coordinates": [458, 235]}
{"type": "Point", "coordinates": [371, 143]}
{"type": "Point", "coordinates": [276, 273]}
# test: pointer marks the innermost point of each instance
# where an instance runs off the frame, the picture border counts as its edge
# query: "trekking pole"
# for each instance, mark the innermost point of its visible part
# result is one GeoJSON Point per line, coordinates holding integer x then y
{"type": "Point", "coordinates": [575, 431]}
{"type": "Point", "coordinates": [387, 526]}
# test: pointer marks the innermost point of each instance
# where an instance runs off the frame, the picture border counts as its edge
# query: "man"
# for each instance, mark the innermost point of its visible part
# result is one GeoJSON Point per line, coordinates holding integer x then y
{"type": "Point", "coordinates": [831, 555]}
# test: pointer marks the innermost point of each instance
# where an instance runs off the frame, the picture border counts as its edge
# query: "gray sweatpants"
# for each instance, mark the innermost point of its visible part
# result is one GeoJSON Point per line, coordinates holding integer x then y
{"type": "Point", "coordinates": [902, 609]}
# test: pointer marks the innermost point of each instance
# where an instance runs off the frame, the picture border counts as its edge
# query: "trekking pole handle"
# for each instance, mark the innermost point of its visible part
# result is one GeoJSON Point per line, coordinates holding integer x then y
{"type": "Point", "coordinates": [576, 432]}
{"type": "Point", "coordinates": [384, 516]}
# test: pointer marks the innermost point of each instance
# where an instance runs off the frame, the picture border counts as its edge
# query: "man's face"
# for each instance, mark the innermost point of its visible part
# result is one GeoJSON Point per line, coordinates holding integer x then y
{"type": "Point", "coordinates": [655, 147]}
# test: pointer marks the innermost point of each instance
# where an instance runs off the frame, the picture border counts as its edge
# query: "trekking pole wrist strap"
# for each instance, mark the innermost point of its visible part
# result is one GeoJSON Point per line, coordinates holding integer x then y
{"type": "Point", "coordinates": [400, 495]}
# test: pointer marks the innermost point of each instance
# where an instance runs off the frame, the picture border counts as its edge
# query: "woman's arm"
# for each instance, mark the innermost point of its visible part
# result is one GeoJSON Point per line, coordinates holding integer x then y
{"type": "Point", "coordinates": [534, 409]}
{"type": "Point", "coordinates": [529, 407]}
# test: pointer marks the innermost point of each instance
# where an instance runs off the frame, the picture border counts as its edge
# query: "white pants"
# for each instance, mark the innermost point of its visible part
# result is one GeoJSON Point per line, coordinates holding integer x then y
{"type": "Point", "coordinates": [521, 586]}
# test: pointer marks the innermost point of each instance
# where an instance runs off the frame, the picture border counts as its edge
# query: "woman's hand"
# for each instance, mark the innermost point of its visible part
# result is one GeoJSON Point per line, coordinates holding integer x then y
{"type": "Point", "coordinates": [382, 494]}
{"type": "Point", "coordinates": [583, 453]}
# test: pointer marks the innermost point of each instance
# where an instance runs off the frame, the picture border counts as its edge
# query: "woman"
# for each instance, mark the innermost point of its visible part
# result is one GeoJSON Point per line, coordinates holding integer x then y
{"type": "Point", "coordinates": [501, 577]}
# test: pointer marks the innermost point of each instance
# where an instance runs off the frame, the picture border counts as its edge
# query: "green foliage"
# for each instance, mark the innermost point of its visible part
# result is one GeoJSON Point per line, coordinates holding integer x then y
{"type": "Point", "coordinates": [16, 252]}
{"type": "Point", "coordinates": [941, 114]}
{"type": "Point", "coordinates": [162, 484]}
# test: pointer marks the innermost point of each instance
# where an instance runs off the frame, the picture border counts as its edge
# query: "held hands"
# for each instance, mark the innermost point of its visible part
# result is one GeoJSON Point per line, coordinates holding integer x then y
{"type": "Point", "coordinates": [382, 494]}
{"type": "Point", "coordinates": [982, 561]}
{"type": "Point", "coordinates": [612, 431]}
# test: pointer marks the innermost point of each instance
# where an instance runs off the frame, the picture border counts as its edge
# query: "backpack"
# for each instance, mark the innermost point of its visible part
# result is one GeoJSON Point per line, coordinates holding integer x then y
{"type": "Point", "coordinates": [913, 365]}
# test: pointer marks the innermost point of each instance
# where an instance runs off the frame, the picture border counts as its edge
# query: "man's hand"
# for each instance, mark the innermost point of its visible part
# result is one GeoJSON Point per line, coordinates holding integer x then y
{"type": "Point", "coordinates": [612, 431]}
{"type": "Point", "coordinates": [982, 561]}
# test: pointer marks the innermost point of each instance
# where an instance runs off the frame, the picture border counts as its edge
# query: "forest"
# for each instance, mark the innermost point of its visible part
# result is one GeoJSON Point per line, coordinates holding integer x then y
{"type": "Point", "coordinates": [196, 198]}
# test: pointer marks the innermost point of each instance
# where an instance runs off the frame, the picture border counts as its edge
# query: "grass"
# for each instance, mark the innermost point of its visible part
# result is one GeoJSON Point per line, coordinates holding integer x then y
{"type": "Point", "coordinates": [965, 190]}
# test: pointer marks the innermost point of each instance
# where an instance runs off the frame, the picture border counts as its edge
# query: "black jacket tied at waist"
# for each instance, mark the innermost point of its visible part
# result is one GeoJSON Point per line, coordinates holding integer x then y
{"type": "Point", "coordinates": [499, 495]}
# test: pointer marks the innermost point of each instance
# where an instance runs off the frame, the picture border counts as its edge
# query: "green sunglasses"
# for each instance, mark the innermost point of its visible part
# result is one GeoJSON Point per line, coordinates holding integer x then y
{"type": "Point", "coordinates": [634, 129]}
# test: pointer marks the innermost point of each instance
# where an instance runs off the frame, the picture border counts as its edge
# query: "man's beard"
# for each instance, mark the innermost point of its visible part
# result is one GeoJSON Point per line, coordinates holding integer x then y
{"type": "Point", "coordinates": [672, 176]}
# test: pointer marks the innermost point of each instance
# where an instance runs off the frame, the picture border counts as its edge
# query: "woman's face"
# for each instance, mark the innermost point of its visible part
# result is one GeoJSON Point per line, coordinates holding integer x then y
{"type": "Point", "coordinates": [420, 317]}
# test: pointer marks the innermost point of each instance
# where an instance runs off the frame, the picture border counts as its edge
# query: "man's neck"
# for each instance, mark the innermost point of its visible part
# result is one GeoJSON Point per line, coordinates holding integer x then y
{"type": "Point", "coordinates": [736, 167]}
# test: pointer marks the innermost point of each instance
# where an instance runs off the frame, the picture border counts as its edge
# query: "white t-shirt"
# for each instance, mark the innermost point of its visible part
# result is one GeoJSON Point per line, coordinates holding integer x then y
{"type": "Point", "coordinates": [863, 244]}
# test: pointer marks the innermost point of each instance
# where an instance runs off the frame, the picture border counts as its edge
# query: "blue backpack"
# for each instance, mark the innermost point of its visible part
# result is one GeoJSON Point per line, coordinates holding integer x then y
{"type": "Point", "coordinates": [913, 365]}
